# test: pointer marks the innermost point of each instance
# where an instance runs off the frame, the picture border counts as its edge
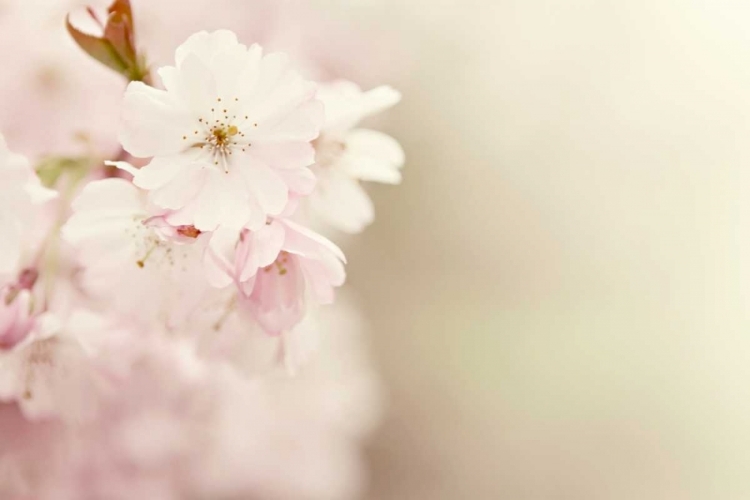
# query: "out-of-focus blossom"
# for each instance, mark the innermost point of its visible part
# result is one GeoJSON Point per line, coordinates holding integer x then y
{"type": "Point", "coordinates": [65, 367]}
{"type": "Point", "coordinates": [230, 135]}
{"type": "Point", "coordinates": [21, 198]}
{"type": "Point", "coordinates": [55, 100]}
{"type": "Point", "coordinates": [278, 269]}
{"type": "Point", "coordinates": [325, 47]}
{"type": "Point", "coordinates": [51, 89]}
{"type": "Point", "coordinates": [188, 425]}
{"type": "Point", "coordinates": [127, 260]}
{"type": "Point", "coordinates": [16, 321]}
{"type": "Point", "coordinates": [345, 156]}
{"type": "Point", "coordinates": [135, 355]}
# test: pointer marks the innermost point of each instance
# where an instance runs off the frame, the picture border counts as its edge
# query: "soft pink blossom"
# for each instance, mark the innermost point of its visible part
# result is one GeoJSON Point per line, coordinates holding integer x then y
{"type": "Point", "coordinates": [230, 136]}
{"type": "Point", "coordinates": [279, 269]}
{"type": "Point", "coordinates": [16, 320]}
{"type": "Point", "coordinates": [345, 156]}
{"type": "Point", "coordinates": [21, 204]}
{"type": "Point", "coordinates": [128, 258]}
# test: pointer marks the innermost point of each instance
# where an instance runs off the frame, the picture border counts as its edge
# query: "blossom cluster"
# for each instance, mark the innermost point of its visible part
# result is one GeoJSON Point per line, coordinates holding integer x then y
{"type": "Point", "coordinates": [162, 333]}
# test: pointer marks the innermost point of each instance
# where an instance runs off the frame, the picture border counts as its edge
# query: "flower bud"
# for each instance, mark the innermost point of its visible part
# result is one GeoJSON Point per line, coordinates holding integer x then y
{"type": "Point", "coordinates": [16, 321]}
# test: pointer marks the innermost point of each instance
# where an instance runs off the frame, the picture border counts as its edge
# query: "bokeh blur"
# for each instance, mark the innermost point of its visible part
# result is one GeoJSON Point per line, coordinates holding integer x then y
{"type": "Point", "coordinates": [558, 292]}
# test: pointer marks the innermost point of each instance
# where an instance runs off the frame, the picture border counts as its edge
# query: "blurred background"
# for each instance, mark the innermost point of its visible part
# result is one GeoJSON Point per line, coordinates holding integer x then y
{"type": "Point", "coordinates": [558, 292]}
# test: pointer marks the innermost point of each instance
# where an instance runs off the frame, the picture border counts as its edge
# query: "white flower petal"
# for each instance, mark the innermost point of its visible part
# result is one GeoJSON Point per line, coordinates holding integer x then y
{"type": "Point", "coordinates": [372, 156]}
{"type": "Point", "coordinates": [153, 122]}
{"type": "Point", "coordinates": [160, 171]}
{"type": "Point", "coordinates": [346, 105]}
{"type": "Point", "coordinates": [342, 203]}
{"type": "Point", "coordinates": [302, 241]}
{"type": "Point", "coordinates": [205, 45]}
{"type": "Point", "coordinates": [270, 189]}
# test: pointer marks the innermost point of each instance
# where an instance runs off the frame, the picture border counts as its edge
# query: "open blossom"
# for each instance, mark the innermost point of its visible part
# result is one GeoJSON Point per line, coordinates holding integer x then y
{"type": "Point", "coordinates": [160, 337]}
{"type": "Point", "coordinates": [65, 366]}
{"type": "Point", "coordinates": [278, 269]}
{"type": "Point", "coordinates": [230, 136]}
{"type": "Point", "coordinates": [128, 256]}
{"type": "Point", "coordinates": [21, 200]}
{"type": "Point", "coordinates": [345, 155]}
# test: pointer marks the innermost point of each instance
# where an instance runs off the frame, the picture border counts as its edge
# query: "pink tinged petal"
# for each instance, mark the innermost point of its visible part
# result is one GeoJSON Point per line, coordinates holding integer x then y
{"type": "Point", "coordinates": [160, 171]}
{"type": "Point", "coordinates": [338, 98]}
{"type": "Point", "coordinates": [246, 287]}
{"type": "Point", "coordinates": [234, 198]}
{"type": "Point", "coordinates": [341, 202]}
{"type": "Point", "coordinates": [292, 206]}
{"type": "Point", "coordinates": [302, 241]}
{"type": "Point", "coordinates": [218, 258]}
{"type": "Point", "coordinates": [323, 275]}
{"type": "Point", "coordinates": [208, 203]}
{"type": "Point", "coordinates": [192, 84]}
{"type": "Point", "coordinates": [178, 192]}
{"type": "Point", "coordinates": [268, 187]}
{"type": "Point", "coordinates": [10, 243]}
{"type": "Point", "coordinates": [346, 105]}
{"type": "Point", "coordinates": [288, 155]}
{"type": "Point", "coordinates": [273, 73]}
{"type": "Point", "coordinates": [265, 245]}
{"type": "Point", "coordinates": [153, 122]}
{"type": "Point", "coordinates": [117, 195]}
{"type": "Point", "coordinates": [252, 250]}
{"type": "Point", "coordinates": [303, 124]}
{"type": "Point", "coordinates": [205, 45]}
{"type": "Point", "coordinates": [251, 213]}
{"type": "Point", "coordinates": [278, 301]}
{"type": "Point", "coordinates": [270, 106]}
{"type": "Point", "coordinates": [230, 81]}
{"type": "Point", "coordinates": [15, 320]}
{"type": "Point", "coordinates": [249, 75]}
{"type": "Point", "coordinates": [222, 200]}
{"type": "Point", "coordinates": [372, 156]}
{"type": "Point", "coordinates": [379, 99]}
{"type": "Point", "coordinates": [300, 181]}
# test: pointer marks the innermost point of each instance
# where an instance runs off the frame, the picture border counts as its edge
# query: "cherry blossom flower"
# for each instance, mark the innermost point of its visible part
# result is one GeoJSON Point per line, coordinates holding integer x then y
{"type": "Point", "coordinates": [21, 200]}
{"type": "Point", "coordinates": [278, 269]}
{"type": "Point", "coordinates": [345, 155]}
{"type": "Point", "coordinates": [60, 369]}
{"type": "Point", "coordinates": [161, 338]}
{"type": "Point", "coordinates": [52, 90]}
{"type": "Point", "coordinates": [230, 136]}
{"type": "Point", "coordinates": [128, 257]}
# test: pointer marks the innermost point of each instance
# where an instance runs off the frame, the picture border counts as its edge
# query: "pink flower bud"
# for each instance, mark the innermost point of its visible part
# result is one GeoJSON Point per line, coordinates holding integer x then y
{"type": "Point", "coordinates": [16, 321]}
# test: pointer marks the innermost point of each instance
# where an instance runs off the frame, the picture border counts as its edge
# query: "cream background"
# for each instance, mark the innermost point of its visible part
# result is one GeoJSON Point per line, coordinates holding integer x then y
{"type": "Point", "coordinates": [559, 289]}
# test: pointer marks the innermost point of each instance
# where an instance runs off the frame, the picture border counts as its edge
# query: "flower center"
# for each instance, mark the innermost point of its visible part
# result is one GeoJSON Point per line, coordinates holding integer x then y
{"type": "Point", "coordinates": [279, 265]}
{"type": "Point", "coordinates": [222, 133]}
{"type": "Point", "coordinates": [328, 151]}
{"type": "Point", "coordinates": [221, 137]}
